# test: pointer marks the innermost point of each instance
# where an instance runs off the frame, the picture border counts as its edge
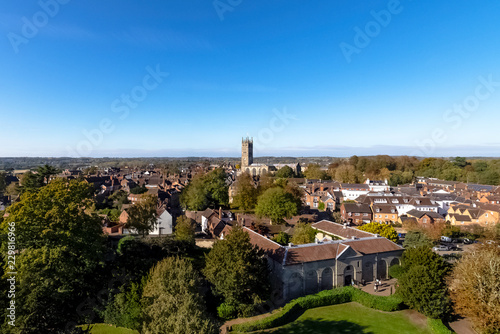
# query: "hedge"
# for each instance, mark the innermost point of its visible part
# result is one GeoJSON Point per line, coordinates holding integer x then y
{"type": "Point", "coordinates": [296, 307]}
{"type": "Point", "coordinates": [437, 326]}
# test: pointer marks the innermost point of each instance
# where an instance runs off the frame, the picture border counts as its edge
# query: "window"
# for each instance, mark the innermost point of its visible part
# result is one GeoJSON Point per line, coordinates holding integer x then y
{"type": "Point", "coordinates": [386, 216]}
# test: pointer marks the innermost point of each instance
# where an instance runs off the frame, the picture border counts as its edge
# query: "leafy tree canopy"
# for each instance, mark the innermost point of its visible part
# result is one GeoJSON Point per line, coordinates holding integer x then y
{"type": "Point", "coordinates": [276, 204]}
{"type": "Point", "coordinates": [386, 231]}
{"type": "Point", "coordinates": [237, 269]}
{"type": "Point", "coordinates": [172, 301]}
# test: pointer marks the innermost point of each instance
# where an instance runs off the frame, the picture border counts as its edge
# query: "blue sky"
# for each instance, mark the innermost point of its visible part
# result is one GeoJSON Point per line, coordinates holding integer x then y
{"type": "Point", "coordinates": [303, 78]}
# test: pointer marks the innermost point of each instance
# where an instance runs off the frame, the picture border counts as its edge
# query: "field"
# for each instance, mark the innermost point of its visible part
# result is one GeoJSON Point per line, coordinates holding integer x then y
{"type": "Point", "coordinates": [353, 318]}
{"type": "Point", "coordinates": [107, 329]}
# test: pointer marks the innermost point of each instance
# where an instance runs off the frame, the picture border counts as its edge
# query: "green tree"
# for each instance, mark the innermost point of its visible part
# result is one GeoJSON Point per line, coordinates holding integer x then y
{"type": "Point", "coordinates": [347, 174]}
{"type": "Point", "coordinates": [119, 198]}
{"type": "Point", "coordinates": [386, 231]}
{"type": "Point", "coordinates": [303, 234]}
{"type": "Point", "coordinates": [139, 190]}
{"type": "Point", "coordinates": [422, 285]}
{"type": "Point", "coordinates": [46, 171]}
{"type": "Point", "coordinates": [285, 172]}
{"type": "Point", "coordinates": [13, 189]}
{"type": "Point", "coordinates": [238, 270]}
{"type": "Point", "coordinates": [31, 182]}
{"type": "Point", "coordinates": [206, 190]}
{"type": "Point", "coordinates": [414, 239]}
{"type": "Point", "coordinates": [3, 184]}
{"type": "Point", "coordinates": [62, 247]}
{"type": "Point", "coordinates": [184, 230]}
{"type": "Point", "coordinates": [276, 204]}
{"type": "Point", "coordinates": [246, 193]}
{"type": "Point", "coordinates": [172, 300]}
{"type": "Point", "coordinates": [142, 216]}
{"type": "Point", "coordinates": [282, 238]}
{"type": "Point", "coordinates": [424, 292]}
{"type": "Point", "coordinates": [125, 309]}
{"type": "Point", "coordinates": [217, 188]}
{"type": "Point", "coordinates": [314, 171]}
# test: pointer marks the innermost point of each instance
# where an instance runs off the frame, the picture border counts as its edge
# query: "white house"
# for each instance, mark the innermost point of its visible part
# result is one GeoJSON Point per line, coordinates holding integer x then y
{"type": "Point", "coordinates": [164, 225]}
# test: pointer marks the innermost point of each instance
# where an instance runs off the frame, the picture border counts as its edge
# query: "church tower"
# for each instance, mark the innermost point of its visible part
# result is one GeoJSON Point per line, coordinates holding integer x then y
{"type": "Point", "coordinates": [246, 152]}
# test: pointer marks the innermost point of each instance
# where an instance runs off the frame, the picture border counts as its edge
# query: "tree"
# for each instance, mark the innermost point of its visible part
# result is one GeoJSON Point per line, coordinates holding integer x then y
{"type": "Point", "coordinates": [314, 171]}
{"type": "Point", "coordinates": [184, 230]}
{"type": "Point", "coordinates": [414, 239]}
{"type": "Point", "coordinates": [139, 190]}
{"type": "Point", "coordinates": [285, 171]}
{"type": "Point", "coordinates": [142, 216]}
{"type": "Point", "coordinates": [474, 287]}
{"type": "Point", "coordinates": [347, 174]}
{"type": "Point", "coordinates": [276, 204]}
{"type": "Point", "coordinates": [238, 270]}
{"type": "Point", "coordinates": [13, 189]}
{"type": "Point", "coordinates": [3, 184]}
{"type": "Point", "coordinates": [282, 238]}
{"type": "Point", "coordinates": [172, 301]}
{"type": "Point", "coordinates": [422, 285]}
{"type": "Point", "coordinates": [303, 234]}
{"type": "Point", "coordinates": [31, 182]}
{"type": "Point", "coordinates": [46, 171]}
{"type": "Point", "coordinates": [125, 309]}
{"type": "Point", "coordinates": [246, 193]}
{"type": "Point", "coordinates": [119, 198]}
{"type": "Point", "coordinates": [206, 190]}
{"type": "Point", "coordinates": [62, 247]}
{"type": "Point", "coordinates": [424, 292]}
{"type": "Point", "coordinates": [386, 231]}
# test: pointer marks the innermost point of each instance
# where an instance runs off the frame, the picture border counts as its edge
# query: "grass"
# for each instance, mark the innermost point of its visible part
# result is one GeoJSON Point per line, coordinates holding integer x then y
{"type": "Point", "coordinates": [107, 329]}
{"type": "Point", "coordinates": [350, 318]}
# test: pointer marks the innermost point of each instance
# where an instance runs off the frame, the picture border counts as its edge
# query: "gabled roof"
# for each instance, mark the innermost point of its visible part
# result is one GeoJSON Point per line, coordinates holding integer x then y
{"type": "Point", "coordinates": [340, 230]}
{"type": "Point", "coordinates": [357, 207]}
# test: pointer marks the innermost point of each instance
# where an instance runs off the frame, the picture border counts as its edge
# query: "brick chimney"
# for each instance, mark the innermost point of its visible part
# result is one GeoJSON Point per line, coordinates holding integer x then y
{"type": "Point", "coordinates": [220, 212]}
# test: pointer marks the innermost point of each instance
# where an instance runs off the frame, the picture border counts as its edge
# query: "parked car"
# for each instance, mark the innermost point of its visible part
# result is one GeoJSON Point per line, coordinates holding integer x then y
{"type": "Point", "coordinates": [455, 248]}
{"type": "Point", "coordinates": [445, 239]}
{"type": "Point", "coordinates": [468, 241]}
{"type": "Point", "coordinates": [440, 248]}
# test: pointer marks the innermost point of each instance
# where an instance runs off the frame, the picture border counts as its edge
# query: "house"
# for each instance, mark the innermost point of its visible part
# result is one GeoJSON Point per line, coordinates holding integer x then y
{"type": "Point", "coordinates": [351, 191]}
{"type": "Point", "coordinates": [478, 213]}
{"type": "Point", "coordinates": [425, 218]}
{"type": "Point", "coordinates": [164, 222]}
{"type": "Point", "coordinates": [356, 213]}
{"type": "Point", "coordinates": [384, 213]}
{"type": "Point", "coordinates": [378, 186]}
{"type": "Point", "coordinates": [297, 270]}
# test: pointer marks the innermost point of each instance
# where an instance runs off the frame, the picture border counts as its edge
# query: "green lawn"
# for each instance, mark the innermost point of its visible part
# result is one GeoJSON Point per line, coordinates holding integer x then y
{"type": "Point", "coordinates": [350, 318]}
{"type": "Point", "coordinates": [107, 329]}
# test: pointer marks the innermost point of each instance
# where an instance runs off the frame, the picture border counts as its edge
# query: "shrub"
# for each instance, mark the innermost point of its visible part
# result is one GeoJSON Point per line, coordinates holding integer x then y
{"type": "Point", "coordinates": [396, 271]}
{"type": "Point", "coordinates": [437, 326]}
{"type": "Point", "coordinates": [227, 311]}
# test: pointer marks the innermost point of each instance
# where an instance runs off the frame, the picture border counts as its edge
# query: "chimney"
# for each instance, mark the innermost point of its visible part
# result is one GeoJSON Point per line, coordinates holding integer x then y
{"type": "Point", "coordinates": [345, 225]}
{"type": "Point", "coordinates": [290, 245]}
{"type": "Point", "coordinates": [220, 212]}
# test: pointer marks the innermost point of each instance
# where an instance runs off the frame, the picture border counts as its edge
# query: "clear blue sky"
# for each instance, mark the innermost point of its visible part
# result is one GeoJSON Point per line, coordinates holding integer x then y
{"type": "Point", "coordinates": [66, 70]}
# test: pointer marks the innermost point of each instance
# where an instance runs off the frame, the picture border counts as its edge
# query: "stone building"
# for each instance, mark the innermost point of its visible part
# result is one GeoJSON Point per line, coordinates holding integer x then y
{"type": "Point", "coordinates": [247, 164]}
{"type": "Point", "coordinates": [344, 255]}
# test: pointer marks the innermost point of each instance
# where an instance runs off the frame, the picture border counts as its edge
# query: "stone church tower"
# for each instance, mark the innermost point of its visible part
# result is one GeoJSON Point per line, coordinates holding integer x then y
{"type": "Point", "coordinates": [246, 152]}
